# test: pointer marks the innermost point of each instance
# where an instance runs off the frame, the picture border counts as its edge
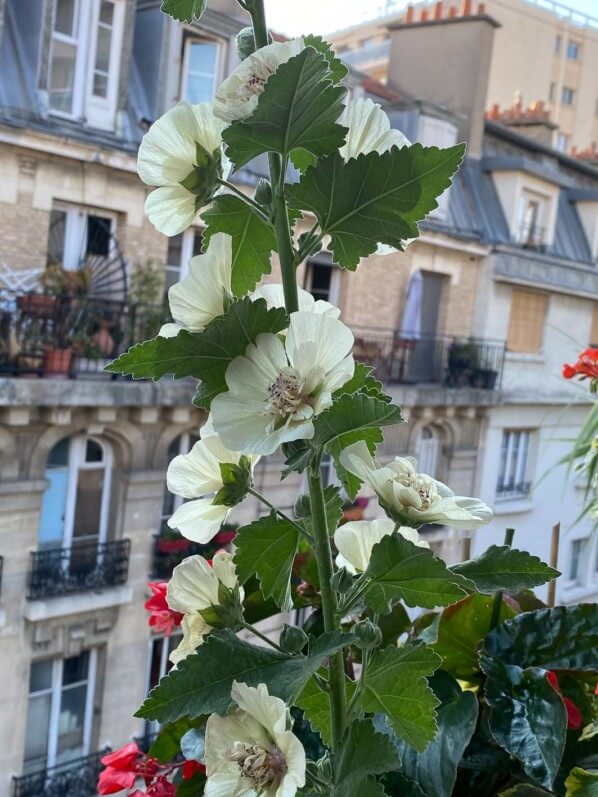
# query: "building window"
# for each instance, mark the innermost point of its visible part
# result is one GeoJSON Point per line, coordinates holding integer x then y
{"type": "Point", "coordinates": [75, 504]}
{"type": "Point", "coordinates": [76, 235]}
{"type": "Point", "coordinates": [575, 562]}
{"type": "Point", "coordinates": [181, 248]}
{"type": "Point", "coordinates": [200, 70]}
{"type": "Point", "coordinates": [170, 502]}
{"type": "Point", "coordinates": [426, 451]}
{"type": "Point", "coordinates": [526, 322]}
{"type": "Point", "coordinates": [59, 710]}
{"type": "Point", "coordinates": [159, 666]}
{"type": "Point", "coordinates": [514, 459]}
{"type": "Point", "coordinates": [530, 232]}
{"type": "Point", "coordinates": [567, 96]}
{"type": "Point", "coordinates": [562, 142]}
{"type": "Point", "coordinates": [573, 50]}
{"type": "Point", "coordinates": [557, 44]}
{"type": "Point", "coordinates": [322, 281]}
{"type": "Point", "coordinates": [85, 59]}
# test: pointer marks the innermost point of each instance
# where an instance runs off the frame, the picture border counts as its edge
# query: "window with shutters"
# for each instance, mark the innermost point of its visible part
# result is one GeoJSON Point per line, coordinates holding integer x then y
{"type": "Point", "coordinates": [526, 322]}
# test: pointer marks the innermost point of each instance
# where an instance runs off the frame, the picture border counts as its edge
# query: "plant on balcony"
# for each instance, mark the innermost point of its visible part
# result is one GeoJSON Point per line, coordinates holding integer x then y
{"type": "Point", "coordinates": [474, 697]}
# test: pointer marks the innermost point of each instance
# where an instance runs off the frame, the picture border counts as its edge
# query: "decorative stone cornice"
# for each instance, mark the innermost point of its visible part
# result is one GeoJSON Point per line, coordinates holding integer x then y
{"type": "Point", "coordinates": [545, 272]}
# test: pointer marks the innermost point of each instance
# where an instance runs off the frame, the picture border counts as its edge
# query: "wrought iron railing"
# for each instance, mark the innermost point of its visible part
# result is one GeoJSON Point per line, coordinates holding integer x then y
{"type": "Point", "coordinates": [532, 236]}
{"type": "Point", "coordinates": [77, 778]}
{"type": "Point", "coordinates": [82, 567]}
{"type": "Point", "coordinates": [170, 550]}
{"type": "Point", "coordinates": [448, 360]}
{"type": "Point", "coordinates": [69, 335]}
{"type": "Point", "coordinates": [513, 490]}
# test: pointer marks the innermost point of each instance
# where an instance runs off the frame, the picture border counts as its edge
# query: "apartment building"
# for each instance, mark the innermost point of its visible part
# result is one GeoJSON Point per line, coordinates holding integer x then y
{"type": "Point", "coordinates": [544, 52]}
{"type": "Point", "coordinates": [468, 329]}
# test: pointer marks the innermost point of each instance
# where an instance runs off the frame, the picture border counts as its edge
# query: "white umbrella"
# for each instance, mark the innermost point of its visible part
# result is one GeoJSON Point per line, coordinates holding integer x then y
{"type": "Point", "coordinates": [411, 323]}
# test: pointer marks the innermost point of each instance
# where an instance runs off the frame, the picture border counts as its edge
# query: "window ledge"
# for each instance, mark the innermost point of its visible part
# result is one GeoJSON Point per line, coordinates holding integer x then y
{"type": "Point", "coordinates": [524, 357]}
{"type": "Point", "coordinates": [40, 610]}
{"type": "Point", "coordinates": [575, 592]}
{"type": "Point", "coordinates": [512, 506]}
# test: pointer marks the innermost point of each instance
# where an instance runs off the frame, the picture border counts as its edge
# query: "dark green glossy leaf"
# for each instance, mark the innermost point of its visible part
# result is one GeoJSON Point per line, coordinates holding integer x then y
{"type": "Point", "coordinates": [363, 753]}
{"type": "Point", "coordinates": [397, 785]}
{"type": "Point", "coordinates": [267, 548]}
{"type": "Point", "coordinates": [400, 570]}
{"type": "Point", "coordinates": [396, 190]}
{"type": "Point", "coordinates": [525, 790]}
{"type": "Point", "coordinates": [396, 686]}
{"type": "Point", "coordinates": [297, 110]}
{"type": "Point", "coordinates": [253, 240]}
{"type": "Point", "coordinates": [183, 10]}
{"type": "Point", "coordinates": [582, 783]}
{"type": "Point", "coordinates": [504, 568]}
{"type": "Point", "coordinates": [338, 70]}
{"type": "Point", "coordinates": [527, 717]}
{"type": "Point", "coordinates": [201, 684]}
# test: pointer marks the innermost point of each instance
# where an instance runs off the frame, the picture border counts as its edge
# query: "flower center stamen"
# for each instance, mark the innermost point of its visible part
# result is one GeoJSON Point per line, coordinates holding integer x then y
{"type": "Point", "coordinates": [285, 396]}
{"type": "Point", "coordinates": [261, 767]}
{"type": "Point", "coordinates": [423, 487]}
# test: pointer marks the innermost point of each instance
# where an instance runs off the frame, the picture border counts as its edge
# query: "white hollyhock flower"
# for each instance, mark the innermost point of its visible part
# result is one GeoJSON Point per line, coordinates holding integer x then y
{"type": "Point", "coordinates": [273, 293]}
{"type": "Point", "coordinates": [169, 158]}
{"type": "Point", "coordinates": [195, 584]}
{"type": "Point", "coordinates": [252, 751]}
{"type": "Point", "coordinates": [238, 95]}
{"type": "Point", "coordinates": [201, 295]}
{"type": "Point", "coordinates": [413, 498]}
{"type": "Point", "coordinates": [194, 629]}
{"type": "Point", "coordinates": [197, 476]}
{"type": "Point", "coordinates": [369, 130]}
{"type": "Point", "coordinates": [355, 540]}
{"type": "Point", "coordinates": [277, 388]}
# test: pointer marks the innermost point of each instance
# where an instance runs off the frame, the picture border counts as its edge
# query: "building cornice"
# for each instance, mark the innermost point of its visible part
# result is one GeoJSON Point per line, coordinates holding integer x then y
{"type": "Point", "coordinates": [558, 276]}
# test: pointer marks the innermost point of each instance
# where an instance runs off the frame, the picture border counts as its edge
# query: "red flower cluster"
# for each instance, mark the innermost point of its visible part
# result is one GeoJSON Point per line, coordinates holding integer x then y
{"type": "Point", "coordinates": [129, 764]}
{"type": "Point", "coordinates": [586, 366]}
{"type": "Point", "coordinates": [162, 618]}
{"type": "Point", "coordinates": [574, 717]}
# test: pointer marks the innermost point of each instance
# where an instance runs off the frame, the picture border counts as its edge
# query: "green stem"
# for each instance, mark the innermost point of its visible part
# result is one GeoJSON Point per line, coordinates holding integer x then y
{"type": "Point", "coordinates": [323, 552]}
{"type": "Point", "coordinates": [252, 629]}
{"type": "Point", "coordinates": [497, 599]}
{"type": "Point", "coordinates": [280, 513]}
{"type": "Point", "coordinates": [247, 199]}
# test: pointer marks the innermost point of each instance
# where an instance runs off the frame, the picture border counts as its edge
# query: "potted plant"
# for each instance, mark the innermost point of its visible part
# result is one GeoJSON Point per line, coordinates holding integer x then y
{"type": "Point", "coordinates": [355, 510]}
{"type": "Point", "coordinates": [462, 362]}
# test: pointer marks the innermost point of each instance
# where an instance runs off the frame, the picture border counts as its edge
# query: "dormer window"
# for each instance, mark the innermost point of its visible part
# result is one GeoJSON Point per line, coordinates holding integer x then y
{"type": "Point", "coordinates": [530, 231]}
{"type": "Point", "coordinates": [85, 60]}
{"type": "Point", "coordinates": [201, 70]}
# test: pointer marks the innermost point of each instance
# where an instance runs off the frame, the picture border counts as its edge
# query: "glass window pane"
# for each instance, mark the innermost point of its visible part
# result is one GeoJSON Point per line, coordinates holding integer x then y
{"type": "Point", "coordinates": [201, 57]}
{"type": "Point", "coordinates": [103, 49]}
{"type": "Point", "coordinates": [93, 451]}
{"type": "Point", "coordinates": [201, 67]}
{"type": "Point", "coordinates": [40, 676]}
{"type": "Point", "coordinates": [59, 454]}
{"type": "Point", "coordinates": [75, 669]}
{"type": "Point", "coordinates": [36, 737]}
{"type": "Point", "coordinates": [106, 12]}
{"type": "Point", "coordinates": [175, 250]}
{"type": "Point", "coordinates": [100, 85]}
{"type": "Point", "coordinates": [99, 229]}
{"type": "Point", "coordinates": [62, 76]}
{"type": "Point", "coordinates": [71, 722]}
{"type": "Point", "coordinates": [88, 503]}
{"type": "Point", "coordinates": [64, 21]}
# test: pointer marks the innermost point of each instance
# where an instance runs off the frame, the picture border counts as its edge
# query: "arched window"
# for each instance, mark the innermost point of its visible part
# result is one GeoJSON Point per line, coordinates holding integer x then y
{"type": "Point", "coordinates": [180, 445]}
{"type": "Point", "coordinates": [426, 451]}
{"type": "Point", "coordinates": [75, 506]}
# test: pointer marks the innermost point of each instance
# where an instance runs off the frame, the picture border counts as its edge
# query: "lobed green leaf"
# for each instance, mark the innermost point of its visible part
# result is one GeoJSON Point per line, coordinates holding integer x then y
{"type": "Point", "coordinates": [364, 753]}
{"type": "Point", "coordinates": [582, 783]}
{"type": "Point", "coordinates": [183, 10]}
{"type": "Point", "coordinates": [504, 568]}
{"type": "Point", "coordinates": [334, 509]}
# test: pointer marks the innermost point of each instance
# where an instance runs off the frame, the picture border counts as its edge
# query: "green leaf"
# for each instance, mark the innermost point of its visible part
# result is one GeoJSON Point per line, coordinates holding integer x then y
{"type": "Point", "coordinates": [204, 355]}
{"type": "Point", "coordinates": [582, 783]}
{"type": "Point", "coordinates": [267, 548]}
{"type": "Point", "coordinates": [400, 570]}
{"type": "Point", "coordinates": [253, 240]}
{"type": "Point", "coordinates": [435, 770]}
{"type": "Point", "coordinates": [236, 481]}
{"type": "Point", "coordinates": [334, 509]}
{"type": "Point", "coordinates": [527, 717]}
{"type": "Point", "coordinates": [363, 381]}
{"type": "Point", "coordinates": [202, 682]}
{"type": "Point", "coordinates": [363, 753]}
{"type": "Point", "coordinates": [183, 10]}
{"type": "Point", "coordinates": [399, 784]}
{"type": "Point", "coordinates": [316, 706]}
{"type": "Point", "coordinates": [525, 790]}
{"type": "Point", "coordinates": [457, 632]}
{"type": "Point", "coordinates": [563, 638]}
{"type": "Point", "coordinates": [396, 190]}
{"type": "Point", "coordinates": [504, 568]}
{"type": "Point", "coordinates": [297, 109]}
{"type": "Point", "coordinates": [298, 455]}
{"type": "Point", "coordinates": [338, 70]}
{"type": "Point", "coordinates": [396, 686]}
{"type": "Point", "coordinates": [166, 746]}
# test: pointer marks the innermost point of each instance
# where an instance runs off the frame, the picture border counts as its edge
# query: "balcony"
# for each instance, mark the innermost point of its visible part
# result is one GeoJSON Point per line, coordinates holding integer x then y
{"type": "Point", "coordinates": [69, 335]}
{"type": "Point", "coordinates": [77, 778]}
{"type": "Point", "coordinates": [84, 567]}
{"type": "Point", "coordinates": [531, 236]}
{"type": "Point", "coordinates": [170, 550]}
{"type": "Point", "coordinates": [444, 360]}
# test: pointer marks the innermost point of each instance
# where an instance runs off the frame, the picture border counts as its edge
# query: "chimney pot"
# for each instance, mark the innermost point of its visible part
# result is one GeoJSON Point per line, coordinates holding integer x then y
{"type": "Point", "coordinates": [409, 15]}
{"type": "Point", "coordinates": [574, 151]}
{"type": "Point", "coordinates": [424, 15]}
{"type": "Point", "coordinates": [438, 10]}
{"type": "Point", "coordinates": [452, 12]}
{"type": "Point", "coordinates": [481, 9]}
{"type": "Point", "coordinates": [466, 8]}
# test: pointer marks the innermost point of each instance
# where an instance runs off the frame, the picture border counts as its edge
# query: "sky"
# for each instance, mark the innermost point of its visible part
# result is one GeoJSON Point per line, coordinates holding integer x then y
{"type": "Point", "coordinates": [323, 16]}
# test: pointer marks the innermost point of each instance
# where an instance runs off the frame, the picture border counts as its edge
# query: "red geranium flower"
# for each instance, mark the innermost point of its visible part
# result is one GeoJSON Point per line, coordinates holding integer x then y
{"type": "Point", "coordinates": [162, 788]}
{"type": "Point", "coordinates": [189, 769]}
{"type": "Point", "coordinates": [121, 769]}
{"type": "Point", "coordinates": [162, 617]}
{"type": "Point", "coordinates": [574, 717]}
{"type": "Point", "coordinates": [585, 367]}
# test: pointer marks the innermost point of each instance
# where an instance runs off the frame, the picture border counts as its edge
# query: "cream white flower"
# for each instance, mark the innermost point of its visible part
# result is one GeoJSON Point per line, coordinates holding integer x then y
{"type": "Point", "coordinates": [168, 158]}
{"type": "Point", "coordinates": [201, 295]}
{"type": "Point", "coordinates": [277, 388]}
{"type": "Point", "coordinates": [238, 95]}
{"type": "Point", "coordinates": [413, 498]}
{"type": "Point", "coordinates": [197, 475]}
{"type": "Point", "coordinates": [194, 629]}
{"type": "Point", "coordinates": [252, 751]}
{"type": "Point", "coordinates": [355, 540]}
{"type": "Point", "coordinates": [273, 293]}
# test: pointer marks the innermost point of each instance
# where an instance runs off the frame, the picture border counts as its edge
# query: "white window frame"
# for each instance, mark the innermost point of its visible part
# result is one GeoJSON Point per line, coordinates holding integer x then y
{"type": "Point", "coordinates": [578, 580]}
{"type": "Point", "coordinates": [517, 458]}
{"type": "Point", "coordinates": [75, 231]}
{"type": "Point", "coordinates": [81, 14]}
{"type": "Point", "coordinates": [573, 46]}
{"type": "Point", "coordinates": [153, 726]}
{"type": "Point", "coordinates": [187, 244]}
{"type": "Point", "coordinates": [570, 94]}
{"type": "Point", "coordinates": [100, 111]}
{"type": "Point", "coordinates": [562, 142]}
{"type": "Point", "coordinates": [427, 451]}
{"type": "Point", "coordinates": [524, 228]}
{"type": "Point", "coordinates": [56, 690]}
{"type": "Point", "coordinates": [335, 280]}
{"type": "Point", "coordinates": [188, 40]}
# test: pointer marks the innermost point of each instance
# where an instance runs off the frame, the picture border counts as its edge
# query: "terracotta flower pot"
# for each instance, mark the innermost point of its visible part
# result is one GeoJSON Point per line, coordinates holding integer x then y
{"type": "Point", "coordinates": [57, 362]}
{"type": "Point", "coordinates": [354, 513]}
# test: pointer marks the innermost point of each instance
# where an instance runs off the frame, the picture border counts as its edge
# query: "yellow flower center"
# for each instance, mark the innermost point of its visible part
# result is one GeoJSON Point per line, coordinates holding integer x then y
{"type": "Point", "coordinates": [286, 397]}
{"type": "Point", "coordinates": [261, 767]}
{"type": "Point", "coordinates": [423, 486]}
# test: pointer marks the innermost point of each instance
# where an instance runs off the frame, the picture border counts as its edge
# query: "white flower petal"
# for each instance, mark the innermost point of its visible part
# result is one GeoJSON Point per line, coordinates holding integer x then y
{"type": "Point", "coordinates": [369, 129]}
{"type": "Point", "coordinates": [317, 341]}
{"type": "Point", "coordinates": [355, 540]}
{"type": "Point", "coordinates": [273, 293]}
{"type": "Point", "coordinates": [169, 330]}
{"type": "Point", "coordinates": [199, 520]}
{"type": "Point", "coordinates": [193, 586]}
{"type": "Point", "coordinates": [194, 629]}
{"type": "Point", "coordinates": [225, 570]}
{"type": "Point", "coordinates": [198, 472]}
{"type": "Point", "coordinates": [171, 209]}
{"type": "Point", "coordinates": [269, 711]}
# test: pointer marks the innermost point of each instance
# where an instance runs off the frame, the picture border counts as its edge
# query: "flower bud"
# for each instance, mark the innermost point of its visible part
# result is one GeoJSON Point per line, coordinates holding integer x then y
{"type": "Point", "coordinates": [368, 633]}
{"type": "Point", "coordinates": [292, 639]}
{"type": "Point", "coordinates": [263, 192]}
{"type": "Point", "coordinates": [341, 581]}
{"type": "Point", "coordinates": [245, 42]}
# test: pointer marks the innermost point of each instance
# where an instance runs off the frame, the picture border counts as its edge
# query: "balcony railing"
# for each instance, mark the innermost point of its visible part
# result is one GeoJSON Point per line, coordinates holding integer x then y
{"type": "Point", "coordinates": [170, 551]}
{"type": "Point", "coordinates": [531, 236]}
{"type": "Point", "coordinates": [431, 359]}
{"type": "Point", "coordinates": [69, 335]}
{"type": "Point", "coordinates": [83, 567]}
{"type": "Point", "coordinates": [77, 778]}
